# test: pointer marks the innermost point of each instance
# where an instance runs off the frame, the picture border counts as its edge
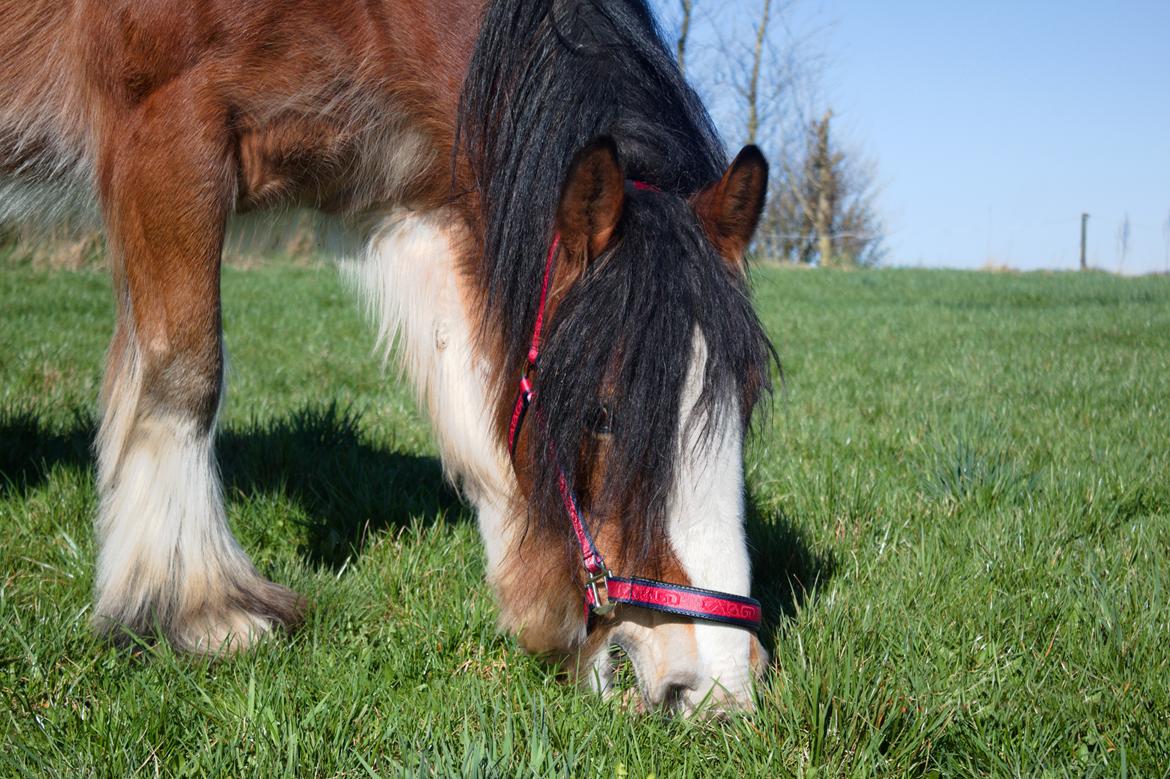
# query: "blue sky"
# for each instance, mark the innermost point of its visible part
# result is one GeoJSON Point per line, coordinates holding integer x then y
{"type": "Point", "coordinates": [995, 124]}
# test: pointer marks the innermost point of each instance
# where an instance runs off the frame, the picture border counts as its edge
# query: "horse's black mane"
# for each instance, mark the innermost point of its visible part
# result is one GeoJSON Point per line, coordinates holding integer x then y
{"type": "Point", "coordinates": [548, 76]}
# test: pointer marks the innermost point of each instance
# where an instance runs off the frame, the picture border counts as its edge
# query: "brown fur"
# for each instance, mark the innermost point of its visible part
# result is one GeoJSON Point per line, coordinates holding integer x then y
{"type": "Point", "coordinates": [541, 591]}
{"type": "Point", "coordinates": [176, 115]}
{"type": "Point", "coordinates": [592, 201]}
{"type": "Point", "coordinates": [730, 209]}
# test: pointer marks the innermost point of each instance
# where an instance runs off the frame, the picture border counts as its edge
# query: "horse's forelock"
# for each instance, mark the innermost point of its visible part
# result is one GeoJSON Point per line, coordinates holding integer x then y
{"type": "Point", "coordinates": [546, 78]}
{"type": "Point", "coordinates": [625, 337]}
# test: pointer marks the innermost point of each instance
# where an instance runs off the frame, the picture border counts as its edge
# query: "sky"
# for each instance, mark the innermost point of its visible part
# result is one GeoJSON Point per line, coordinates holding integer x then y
{"type": "Point", "coordinates": [995, 125]}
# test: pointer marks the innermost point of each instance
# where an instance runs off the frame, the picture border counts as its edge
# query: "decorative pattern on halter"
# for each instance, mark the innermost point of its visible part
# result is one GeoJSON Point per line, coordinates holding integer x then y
{"type": "Point", "coordinates": [603, 591]}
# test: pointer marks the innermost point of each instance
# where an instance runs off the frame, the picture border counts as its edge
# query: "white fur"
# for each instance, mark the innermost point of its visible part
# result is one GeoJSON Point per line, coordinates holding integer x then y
{"type": "Point", "coordinates": [413, 291]}
{"type": "Point", "coordinates": [707, 533]}
{"type": "Point", "coordinates": [163, 533]}
{"type": "Point", "coordinates": [415, 294]}
{"type": "Point", "coordinates": [703, 663]}
{"type": "Point", "coordinates": [47, 164]}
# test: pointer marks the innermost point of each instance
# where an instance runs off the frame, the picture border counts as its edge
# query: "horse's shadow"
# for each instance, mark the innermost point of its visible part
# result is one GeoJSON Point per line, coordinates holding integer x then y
{"type": "Point", "coordinates": [30, 449]}
{"type": "Point", "coordinates": [347, 489]}
{"type": "Point", "coordinates": [785, 568]}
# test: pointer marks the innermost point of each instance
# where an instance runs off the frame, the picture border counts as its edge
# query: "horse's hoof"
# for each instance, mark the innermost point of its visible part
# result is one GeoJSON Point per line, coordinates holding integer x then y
{"type": "Point", "coordinates": [213, 626]}
{"type": "Point", "coordinates": [240, 624]}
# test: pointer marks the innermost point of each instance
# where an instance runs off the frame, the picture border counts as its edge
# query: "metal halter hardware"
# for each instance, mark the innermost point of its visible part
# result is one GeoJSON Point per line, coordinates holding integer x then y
{"type": "Point", "coordinates": [603, 590]}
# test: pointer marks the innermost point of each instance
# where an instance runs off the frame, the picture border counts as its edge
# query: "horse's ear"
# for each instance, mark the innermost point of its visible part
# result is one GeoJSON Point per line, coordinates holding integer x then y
{"type": "Point", "coordinates": [730, 209]}
{"type": "Point", "coordinates": [592, 199]}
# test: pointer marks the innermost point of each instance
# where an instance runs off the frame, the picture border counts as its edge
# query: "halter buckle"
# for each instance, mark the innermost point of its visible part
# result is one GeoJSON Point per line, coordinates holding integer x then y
{"type": "Point", "coordinates": [601, 606]}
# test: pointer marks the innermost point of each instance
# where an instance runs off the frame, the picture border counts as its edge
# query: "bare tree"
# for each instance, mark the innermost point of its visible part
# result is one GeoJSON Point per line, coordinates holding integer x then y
{"type": "Point", "coordinates": [823, 210]}
{"type": "Point", "coordinates": [773, 76]}
{"type": "Point", "coordinates": [752, 96]}
{"type": "Point", "coordinates": [760, 81]}
{"type": "Point", "coordinates": [684, 30]}
{"type": "Point", "coordinates": [750, 69]}
{"type": "Point", "coordinates": [745, 63]}
{"type": "Point", "coordinates": [860, 234]}
{"type": "Point", "coordinates": [826, 182]}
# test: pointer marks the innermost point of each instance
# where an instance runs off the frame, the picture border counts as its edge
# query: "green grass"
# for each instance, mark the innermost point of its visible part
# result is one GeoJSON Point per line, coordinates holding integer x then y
{"type": "Point", "coordinates": [960, 527]}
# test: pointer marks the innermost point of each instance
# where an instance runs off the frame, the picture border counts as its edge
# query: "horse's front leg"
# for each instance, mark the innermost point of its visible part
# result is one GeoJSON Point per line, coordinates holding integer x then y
{"type": "Point", "coordinates": [167, 559]}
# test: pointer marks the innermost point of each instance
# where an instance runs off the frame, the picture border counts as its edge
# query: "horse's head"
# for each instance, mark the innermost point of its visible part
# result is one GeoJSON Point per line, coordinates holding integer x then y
{"type": "Point", "coordinates": [648, 364]}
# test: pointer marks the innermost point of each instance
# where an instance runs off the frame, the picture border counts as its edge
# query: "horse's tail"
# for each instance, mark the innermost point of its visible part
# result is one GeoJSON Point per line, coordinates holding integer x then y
{"type": "Point", "coordinates": [46, 159]}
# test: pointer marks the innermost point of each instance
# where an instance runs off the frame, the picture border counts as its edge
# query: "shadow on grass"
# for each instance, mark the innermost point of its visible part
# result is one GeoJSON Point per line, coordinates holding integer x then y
{"type": "Point", "coordinates": [316, 457]}
{"type": "Point", "coordinates": [31, 449]}
{"type": "Point", "coordinates": [785, 568]}
{"type": "Point", "coordinates": [349, 489]}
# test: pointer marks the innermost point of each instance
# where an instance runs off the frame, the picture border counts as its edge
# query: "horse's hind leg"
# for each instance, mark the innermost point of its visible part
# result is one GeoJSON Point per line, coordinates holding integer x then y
{"type": "Point", "coordinates": [167, 558]}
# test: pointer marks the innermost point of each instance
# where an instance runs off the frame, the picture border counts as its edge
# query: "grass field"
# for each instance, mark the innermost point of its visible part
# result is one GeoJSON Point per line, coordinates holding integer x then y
{"type": "Point", "coordinates": [960, 520]}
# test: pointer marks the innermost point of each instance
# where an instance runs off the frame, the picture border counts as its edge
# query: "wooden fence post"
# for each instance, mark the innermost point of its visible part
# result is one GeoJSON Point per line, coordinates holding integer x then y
{"type": "Point", "coordinates": [1084, 234]}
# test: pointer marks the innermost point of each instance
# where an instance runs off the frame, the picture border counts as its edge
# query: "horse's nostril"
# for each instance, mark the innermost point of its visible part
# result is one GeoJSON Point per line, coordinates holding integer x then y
{"type": "Point", "coordinates": [673, 699]}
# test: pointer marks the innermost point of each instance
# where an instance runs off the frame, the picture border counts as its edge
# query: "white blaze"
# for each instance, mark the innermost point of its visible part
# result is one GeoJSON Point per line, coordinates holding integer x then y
{"type": "Point", "coordinates": [707, 533]}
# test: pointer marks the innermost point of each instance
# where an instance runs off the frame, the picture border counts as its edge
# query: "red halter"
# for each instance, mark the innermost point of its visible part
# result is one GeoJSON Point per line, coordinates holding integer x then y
{"type": "Point", "coordinates": [603, 591]}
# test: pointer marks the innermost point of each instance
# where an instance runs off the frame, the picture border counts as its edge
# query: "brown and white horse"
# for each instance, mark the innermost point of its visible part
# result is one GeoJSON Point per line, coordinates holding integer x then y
{"type": "Point", "coordinates": [449, 141]}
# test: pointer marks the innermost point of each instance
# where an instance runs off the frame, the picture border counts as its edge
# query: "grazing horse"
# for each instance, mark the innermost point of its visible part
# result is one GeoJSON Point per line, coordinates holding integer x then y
{"type": "Point", "coordinates": [537, 212]}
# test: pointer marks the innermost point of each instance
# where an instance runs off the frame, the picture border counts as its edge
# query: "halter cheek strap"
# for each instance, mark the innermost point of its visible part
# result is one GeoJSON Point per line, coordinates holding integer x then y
{"type": "Point", "coordinates": [603, 591]}
{"type": "Point", "coordinates": [526, 394]}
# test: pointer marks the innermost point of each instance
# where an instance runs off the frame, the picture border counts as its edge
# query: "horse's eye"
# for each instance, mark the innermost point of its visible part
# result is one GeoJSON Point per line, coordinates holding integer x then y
{"type": "Point", "coordinates": [602, 421]}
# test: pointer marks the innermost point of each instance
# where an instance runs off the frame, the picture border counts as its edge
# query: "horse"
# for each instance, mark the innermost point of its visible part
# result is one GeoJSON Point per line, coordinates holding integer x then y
{"type": "Point", "coordinates": [546, 231]}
